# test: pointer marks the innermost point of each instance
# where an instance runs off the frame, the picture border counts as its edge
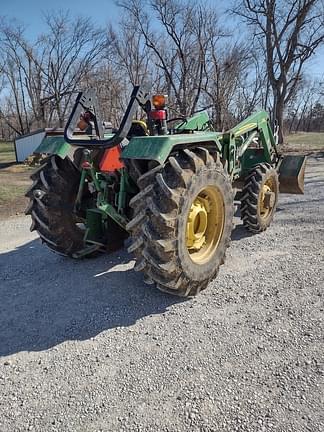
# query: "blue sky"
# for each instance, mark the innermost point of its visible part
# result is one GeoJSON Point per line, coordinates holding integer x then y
{"type": "Point", "coordinates": [30, 13]}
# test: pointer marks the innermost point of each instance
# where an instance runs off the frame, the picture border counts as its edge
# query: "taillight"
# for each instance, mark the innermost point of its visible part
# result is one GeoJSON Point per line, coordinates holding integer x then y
{"type": "Point", "coordinates": [157, 114]}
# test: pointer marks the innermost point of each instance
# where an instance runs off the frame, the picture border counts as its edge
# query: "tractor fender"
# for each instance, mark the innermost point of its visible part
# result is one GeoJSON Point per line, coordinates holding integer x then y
{"type": "Point", "coordinates": [55, 145]}
{"type": "Point", "coordinates": [158, 148]}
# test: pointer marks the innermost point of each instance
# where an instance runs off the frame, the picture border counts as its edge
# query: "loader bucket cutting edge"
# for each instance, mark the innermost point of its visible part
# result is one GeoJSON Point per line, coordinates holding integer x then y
{"type": "Point", "coordinates": [291, 174]}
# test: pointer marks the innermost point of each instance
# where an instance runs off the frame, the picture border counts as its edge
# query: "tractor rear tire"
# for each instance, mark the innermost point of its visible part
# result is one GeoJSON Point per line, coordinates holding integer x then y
{"type": "Point", "coordinates": [51, 206]}
{"type": "Point", "coordinates": [182, 222]}
{"type": "Point", "coordinates": [259, 198]}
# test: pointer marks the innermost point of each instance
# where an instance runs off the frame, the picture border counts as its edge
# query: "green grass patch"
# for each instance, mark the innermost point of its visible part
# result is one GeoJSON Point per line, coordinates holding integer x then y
{"type": "Point", "coordinates": [14, 181]}
{"type": "Point", "coordinates": [10, 193]}
{"type": "Point", "coordinates": [307, 140]}
{"type": "Point", "coordinates": [7, 152]}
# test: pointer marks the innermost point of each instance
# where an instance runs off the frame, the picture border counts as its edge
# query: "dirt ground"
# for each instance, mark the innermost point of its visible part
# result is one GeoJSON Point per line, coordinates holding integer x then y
{"type": "Point", "coordinates": [87, 346]}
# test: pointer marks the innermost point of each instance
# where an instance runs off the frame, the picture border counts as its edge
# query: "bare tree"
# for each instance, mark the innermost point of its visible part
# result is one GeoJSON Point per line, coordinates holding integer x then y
{"type": "Point", "coordinates": [180, 38]}
{"type": "Point", "coordinates": [306, 109]}
{"type": "Point", "coordinates": [111, 88]}
{"type": "Point", "coordinates": [42, 77]}
{"type": "Point", "coordinates": [74, 48]}
{"type": "Point", "coordinates": [291, 31]}
{"type": "Point", "coordinates": [128, 50]}
{"type": "Point", "coordinates": [177, 47]}
{"type": "Point", "coordinates": [225, 67]}
{"type": "Point", "coordinates": [132, 63]}
{"type": "Point", "coordinates": [13, 72]}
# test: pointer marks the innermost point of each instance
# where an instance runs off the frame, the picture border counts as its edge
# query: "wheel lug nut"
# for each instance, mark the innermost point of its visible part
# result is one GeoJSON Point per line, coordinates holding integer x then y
{"type": "Point", "coordinates": [38, 193]}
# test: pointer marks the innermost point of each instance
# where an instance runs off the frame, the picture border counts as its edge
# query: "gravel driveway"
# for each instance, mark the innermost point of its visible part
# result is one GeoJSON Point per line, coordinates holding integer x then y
{"type": "Point", "coordinates": [86, 346]}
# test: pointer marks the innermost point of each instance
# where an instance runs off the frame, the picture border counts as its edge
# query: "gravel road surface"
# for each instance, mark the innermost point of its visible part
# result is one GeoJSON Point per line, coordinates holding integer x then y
{"type": "Point", "coordinates": [86, 346]}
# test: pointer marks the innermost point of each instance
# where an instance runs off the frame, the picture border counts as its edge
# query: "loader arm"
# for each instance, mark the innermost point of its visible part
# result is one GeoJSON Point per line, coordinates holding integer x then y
{"type": "Point", "coordinates": [237, 142]}
{"type": "Point", "coordinates": [242, 156]}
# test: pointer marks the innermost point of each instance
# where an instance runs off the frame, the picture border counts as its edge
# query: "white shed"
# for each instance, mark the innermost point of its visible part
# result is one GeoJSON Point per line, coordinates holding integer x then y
{"type": "Point", "coordinates": [26, 144]}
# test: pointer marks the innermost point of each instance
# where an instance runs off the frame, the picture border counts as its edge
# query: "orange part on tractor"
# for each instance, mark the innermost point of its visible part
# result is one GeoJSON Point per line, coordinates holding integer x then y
{"type": "Point", "coordinates": [111, 160]}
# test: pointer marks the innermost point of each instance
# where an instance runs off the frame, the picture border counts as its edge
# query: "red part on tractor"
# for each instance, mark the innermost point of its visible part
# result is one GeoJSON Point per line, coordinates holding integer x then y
{"type": "Point", "coordinates": [157, 114]}
{"type": "Point", "coordinates": [111, 160]}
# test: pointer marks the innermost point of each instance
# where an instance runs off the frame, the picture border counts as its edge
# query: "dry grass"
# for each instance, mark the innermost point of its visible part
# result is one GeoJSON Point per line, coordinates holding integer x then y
{"type": "Point", "coordinates": [7, 152]}
{"type": "Point", "coordinates": [306, 141]}
{"type": "Point", "coordinates": [14, 181]}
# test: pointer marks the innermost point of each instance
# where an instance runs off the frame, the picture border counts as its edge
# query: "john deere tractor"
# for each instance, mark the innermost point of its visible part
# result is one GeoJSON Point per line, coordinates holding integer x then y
{"type": "Point", "coordinates": [167, 183]}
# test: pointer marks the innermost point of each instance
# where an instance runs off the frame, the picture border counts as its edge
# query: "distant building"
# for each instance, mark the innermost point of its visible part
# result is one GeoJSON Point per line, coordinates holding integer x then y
{"type": "Point", "coordinates": [25, 145]}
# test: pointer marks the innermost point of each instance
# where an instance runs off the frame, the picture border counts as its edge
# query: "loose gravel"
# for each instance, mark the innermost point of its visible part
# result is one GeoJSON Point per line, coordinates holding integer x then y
{"type": "Point", "coordinates": [86, 346]}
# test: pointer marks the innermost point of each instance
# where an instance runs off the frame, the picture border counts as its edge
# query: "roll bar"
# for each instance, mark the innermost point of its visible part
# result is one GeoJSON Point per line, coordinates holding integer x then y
{"type": "Point", "coordinates": [88, 101]}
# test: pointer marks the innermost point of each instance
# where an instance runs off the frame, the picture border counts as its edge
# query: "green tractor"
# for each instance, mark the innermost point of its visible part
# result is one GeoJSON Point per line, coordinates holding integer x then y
{"type": "Point", "coordinates": [169, 184]}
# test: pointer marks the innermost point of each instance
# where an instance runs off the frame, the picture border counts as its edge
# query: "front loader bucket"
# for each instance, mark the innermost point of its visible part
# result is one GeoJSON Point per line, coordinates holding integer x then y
{"type": "Point", "coordinates": [291, 174]}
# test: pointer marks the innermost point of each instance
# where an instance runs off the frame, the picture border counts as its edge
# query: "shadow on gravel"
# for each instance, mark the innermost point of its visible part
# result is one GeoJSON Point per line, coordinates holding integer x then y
{"type": "Point", "coordinates": [47, 299]}
{"type": "Point", "coordinates": [315, 182]}
{"type": "Point", "coordinates": [298, 202]}
{"type": "Point", "coordinates": [239, 232]}
{"type": "Point", "coordinates": [317, 155]}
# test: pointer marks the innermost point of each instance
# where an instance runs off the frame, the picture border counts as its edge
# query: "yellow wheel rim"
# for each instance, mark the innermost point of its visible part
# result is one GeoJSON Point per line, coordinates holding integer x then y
{"type": "Point", "coordinates": [205, 224]}
{"type": "Point", "coordinates": [267, 198]}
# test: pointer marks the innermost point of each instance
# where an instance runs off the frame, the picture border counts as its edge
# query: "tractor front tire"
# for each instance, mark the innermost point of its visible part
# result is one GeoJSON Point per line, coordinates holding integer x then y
{"type": "Point", "coordinates": [182, 222]}
{"type": "Point", "coordinates": [51, 206]}
{"type": "Point", "coordinates": [259, 198]}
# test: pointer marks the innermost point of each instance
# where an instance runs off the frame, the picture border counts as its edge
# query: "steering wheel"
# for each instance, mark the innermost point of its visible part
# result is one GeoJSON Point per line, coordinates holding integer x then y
{"type": "Point", "coordinates": [176, 118]}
